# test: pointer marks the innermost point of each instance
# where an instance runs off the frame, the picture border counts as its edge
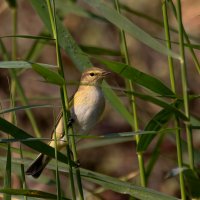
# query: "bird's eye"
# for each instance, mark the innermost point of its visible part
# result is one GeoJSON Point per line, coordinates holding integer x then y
{"type": "Point", "coordinates": [91, 74]}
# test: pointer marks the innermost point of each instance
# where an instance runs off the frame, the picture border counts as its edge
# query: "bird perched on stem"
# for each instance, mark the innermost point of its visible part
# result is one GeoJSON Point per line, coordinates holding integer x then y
{"type": "Point", "coordinates": [88, 105]}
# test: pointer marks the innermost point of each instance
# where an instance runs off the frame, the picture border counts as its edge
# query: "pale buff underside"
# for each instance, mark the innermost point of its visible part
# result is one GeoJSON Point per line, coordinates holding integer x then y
{"type": "Point", "coordinates": [88, 107]}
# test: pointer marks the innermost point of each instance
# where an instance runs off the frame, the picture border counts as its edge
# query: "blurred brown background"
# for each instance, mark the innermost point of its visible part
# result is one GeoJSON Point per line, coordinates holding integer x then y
{"type": "Point", "coordinates": [120, 159]}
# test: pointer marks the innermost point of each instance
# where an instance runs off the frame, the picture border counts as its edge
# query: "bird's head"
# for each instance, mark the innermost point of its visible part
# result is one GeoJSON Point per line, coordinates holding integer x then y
{"type": "Point", "coordinates": [93, 76]}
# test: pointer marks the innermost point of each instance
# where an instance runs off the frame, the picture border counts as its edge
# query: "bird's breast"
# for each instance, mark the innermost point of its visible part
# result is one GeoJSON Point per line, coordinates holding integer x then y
{"type": "Point", "coordinates": [88, 107]}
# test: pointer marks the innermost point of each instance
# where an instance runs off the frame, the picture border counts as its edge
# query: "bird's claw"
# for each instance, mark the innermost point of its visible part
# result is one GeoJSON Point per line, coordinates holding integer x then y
{"type": "Point", "coordinates": [78, 164]}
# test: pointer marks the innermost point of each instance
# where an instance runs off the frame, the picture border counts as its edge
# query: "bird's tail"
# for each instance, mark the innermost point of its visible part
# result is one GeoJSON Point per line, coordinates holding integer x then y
{"type": "Point", "coordinates": [36, 168]}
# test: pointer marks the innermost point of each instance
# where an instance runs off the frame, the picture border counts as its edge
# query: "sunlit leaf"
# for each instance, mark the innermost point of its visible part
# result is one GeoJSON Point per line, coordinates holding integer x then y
{"type": "Point", "coordinates": [138, 77]}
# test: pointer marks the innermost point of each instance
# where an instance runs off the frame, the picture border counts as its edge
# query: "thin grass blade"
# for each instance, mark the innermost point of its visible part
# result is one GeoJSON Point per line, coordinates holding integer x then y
{"type": "Point", "coordinates": [30, 193]}
{"type": "Point", "coordinates": [125, 24]}
{"type": "Point", "coordinates": [18, 133]}
{"type": "Point", "coordinates": [21, 64]}
{"type": "Point", "coordinates": [138, 77]}
{"type": "Point", "coordinates": [49, 75]}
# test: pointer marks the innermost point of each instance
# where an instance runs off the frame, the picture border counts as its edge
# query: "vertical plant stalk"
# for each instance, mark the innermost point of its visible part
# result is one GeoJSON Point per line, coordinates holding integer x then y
{"type": "Point", "coordinates": [124, 51]}
{"type": "Point", "coordinates": [20, 91]}
{"type": "Point", "coordinates": [70, 130]}
{"type": "Point", "coordinates": [66, 111]}
{"type": "Point", "coordinates": [185, 86]}
{"type": "Point", "coordinates": [59, 195]}
{"type": "Point", "coordinates": [172, 80]}
{"type": "Point", "coordinates": [24, 101]}
{"type": "Point", "coordinates": [13, 73]}
{"type": "Point", "coordinates": [64, 97]}
{"type": "Point", "coordinates": [23, 178]}
{"type": "Point", "coordinates": [196, 61]}
{"type": "Point", "coordinates": [8, 175]}
{"type": "Point", "coordinates": [14, 84]}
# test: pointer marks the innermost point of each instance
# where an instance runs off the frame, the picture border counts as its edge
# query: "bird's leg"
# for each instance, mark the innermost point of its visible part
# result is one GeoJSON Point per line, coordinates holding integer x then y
{"type": "Point", "coordinates": [70, 123]}
{"type": "Point", "coordinates": [77, 163]}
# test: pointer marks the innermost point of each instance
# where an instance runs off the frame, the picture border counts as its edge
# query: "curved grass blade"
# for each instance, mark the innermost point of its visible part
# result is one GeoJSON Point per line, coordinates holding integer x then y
{"type": "Point", "coordinates": [195, 122]}
{"type": "Point", "coordinates": [26, 153]}
{"type": "Point", "coordinates": [49, 75]}
{"type": "Point", "coordinates": [67, 7]}
{"type": "Point", "coordinates": [99, 51]}
{"type": "Point", "coordinates": [155, 124]}
{"type": "Point", "coordinates": [114, 184]}
{"type": "Point", "coordinates": [194, 46]}
{"type": "Point", "coordinates": [18, 108]}
{"type": "Point", "coordinates": [160, 103]}
{"type": "Point", "coordinates": [122, 187]}
{"type": "Point", "coordinates": [39, 146]}
{"type": "Point", "coordinates": [21, 64]}
{"type": "Point", "coordinates": [138, 77]}
{"type": "Point", "coordinates": [28, 37]}
{"type": "Point", "coordinates": [66, 41]}
{"type": "Point", "coordinates": [103, 143]}
{"type": "Point", "coordinates": [36, 49]}
{"type": "Point", "coordinates": [117, 104]}
{"type": "Point", "coordinates": [116, 138]}
{"type": "Point", "coordinates": [7, 176]}
{"type": "Point", "coordinates": [4, 140]}
{"type": "Point", "coordinates": [193, 183]}
{"type": "Point", "coordinates": [194, 57]}
{"type": "Point", "coordinates": [125, 24]}
{"type": "Point", "coordinates": [153, 20]}
{"type": "Point", "coordinates": [30, 193]}
{"type": "Point", "coordinates": [154, 156]}
{"type": "Point", "coordinates": [3, 50]}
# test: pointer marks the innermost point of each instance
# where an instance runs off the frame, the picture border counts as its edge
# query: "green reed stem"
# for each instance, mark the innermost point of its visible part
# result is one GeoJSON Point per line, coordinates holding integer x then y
{"type": "Point", "coordinates": [23, 178]}
{"type": "Point", "coordinates": [7, 176]}
{"type": "Point", "coordinates": [8, 173]}
{"type": "Point", "coordinates": [59, 195]}
{"type": "Point", "coordinates": [14, 32]}
{"type": "Point", "coordinates": [173, 86]}
{"type": "Point", "coordinates": [71, 132]}
{"type": "Point", "coordinates": [66, 111]}
{"type": "Point", "coordinates": [64, 97]}
{"type": "Point", "coordinates": [194, 57]}
{"type": "Point", "coordinates": [185, 86]}
{"type": "Point", "coordinates": [24, 100]}
{"type": "Point", "coordinates": [20, 91]}
{"type": "Point", "coordinates": [13, 73]}
{"type": "Point", "coordinates": [15, 85]}
{"type": "Point", "coordinates": [124, 51]}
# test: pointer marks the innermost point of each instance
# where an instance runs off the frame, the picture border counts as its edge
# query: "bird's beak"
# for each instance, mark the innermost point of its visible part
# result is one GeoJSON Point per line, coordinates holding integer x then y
{"type": "Point", "coordinates": [105, 73]}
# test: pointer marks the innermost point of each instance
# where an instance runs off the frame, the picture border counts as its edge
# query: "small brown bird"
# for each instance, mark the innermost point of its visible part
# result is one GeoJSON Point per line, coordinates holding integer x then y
{"type": "Point", "coordinates": [88, 105]}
